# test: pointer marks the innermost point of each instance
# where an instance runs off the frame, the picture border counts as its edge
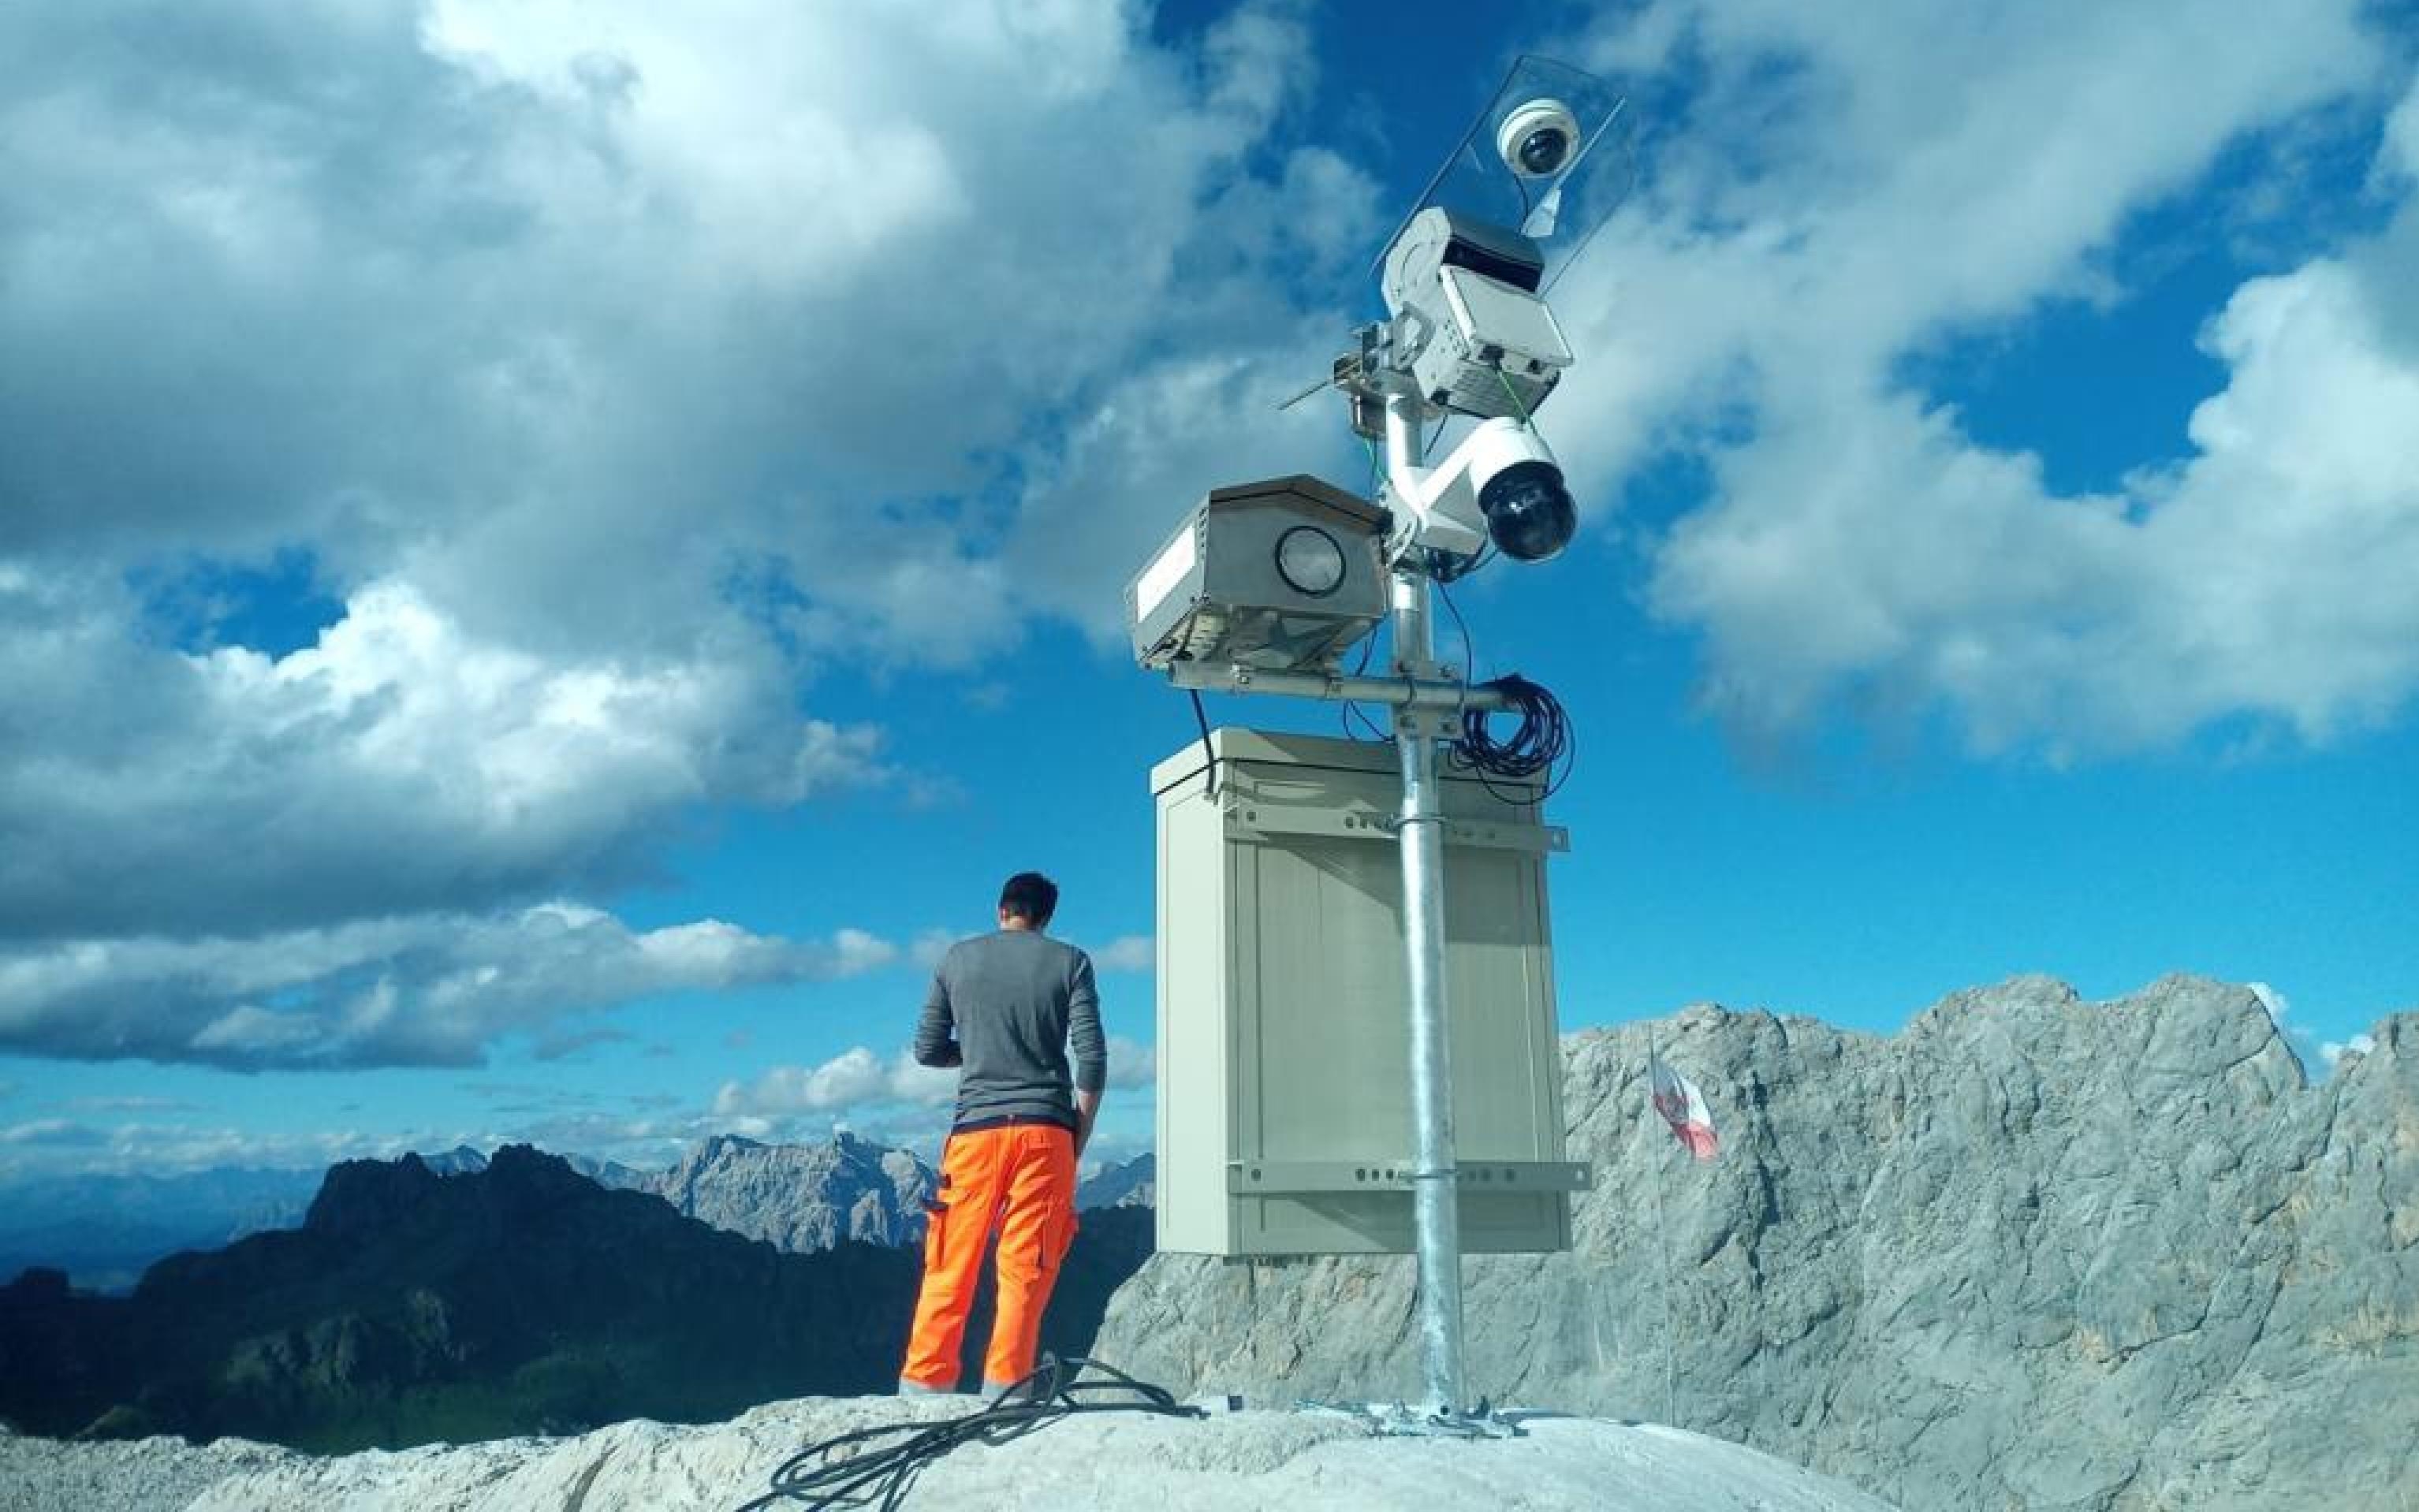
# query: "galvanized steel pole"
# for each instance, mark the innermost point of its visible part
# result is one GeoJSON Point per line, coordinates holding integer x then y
{"type": "Point", "coordinates": [1436, 1207]}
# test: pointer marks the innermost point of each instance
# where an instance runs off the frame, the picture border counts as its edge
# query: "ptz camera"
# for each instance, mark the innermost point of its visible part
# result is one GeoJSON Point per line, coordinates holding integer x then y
{"type": "Point", "coordinates": [1501, 483]}
{"type": "Point", "coordinates": [1536, 138]}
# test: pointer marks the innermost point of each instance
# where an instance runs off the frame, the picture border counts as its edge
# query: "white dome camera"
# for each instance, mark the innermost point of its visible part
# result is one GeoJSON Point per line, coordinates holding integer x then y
{"type": "Point", "coordinates": [1501, 483]}
{"type": "Point", "coordinates": [1538, 138]}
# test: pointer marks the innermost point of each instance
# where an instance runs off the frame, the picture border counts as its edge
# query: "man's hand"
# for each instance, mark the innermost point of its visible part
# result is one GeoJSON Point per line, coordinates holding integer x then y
{"type": "Point", "coordinates": [1087, 1107]}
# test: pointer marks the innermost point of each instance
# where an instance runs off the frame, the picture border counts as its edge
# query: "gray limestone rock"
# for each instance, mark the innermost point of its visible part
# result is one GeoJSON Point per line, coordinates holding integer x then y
{"type": "Point", "coordinates": [2032, 1252]}
{"type": "Point", "coordinates": [1225, 1462]}
{"type": "Point", "coordinates": [1131, 1184]}
{"type": "Point", "coordinates": [802, 1197]}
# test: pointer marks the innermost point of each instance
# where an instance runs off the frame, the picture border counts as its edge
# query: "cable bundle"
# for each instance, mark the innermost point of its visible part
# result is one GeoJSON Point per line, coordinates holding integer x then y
{"type": "Point", "coordinates": [881, 1477]}
{"type": "Point", "coordinates": [1541, 741]}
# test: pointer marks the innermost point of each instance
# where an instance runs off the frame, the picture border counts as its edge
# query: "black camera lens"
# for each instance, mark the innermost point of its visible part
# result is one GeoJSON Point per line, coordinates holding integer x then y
{"type": "Point", "coordinates": [1543, 150]}
{"type": "Point", "coordinates": [1528, 511]}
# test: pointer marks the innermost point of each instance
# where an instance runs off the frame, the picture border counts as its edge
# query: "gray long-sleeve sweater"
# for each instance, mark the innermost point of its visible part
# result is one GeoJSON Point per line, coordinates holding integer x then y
{"type": "Point", "coordinates": [1004, 1008]}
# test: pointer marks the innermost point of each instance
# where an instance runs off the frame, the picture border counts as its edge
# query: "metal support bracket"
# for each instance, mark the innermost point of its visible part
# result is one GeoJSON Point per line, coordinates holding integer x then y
{"type": "Point", "coordinates": [1443, 697]}
{"type": "Point", "coordinates": [1249, 820]}
{"type": "Point", "coordinates": [1269, 1179]}
{"type": "Point", "coordinates": [1392, 1420]}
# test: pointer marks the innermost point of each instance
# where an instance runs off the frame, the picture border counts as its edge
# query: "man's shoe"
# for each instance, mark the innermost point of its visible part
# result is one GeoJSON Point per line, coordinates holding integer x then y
{"type": "Point", "coordinates": [917, 1388]}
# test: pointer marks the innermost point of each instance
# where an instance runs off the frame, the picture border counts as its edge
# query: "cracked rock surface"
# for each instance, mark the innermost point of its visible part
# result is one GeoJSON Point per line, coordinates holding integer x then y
{"type": "Point", "coordinates": [1228, 1462]}
{"type": "Point", "coordinates": [800, 1197]}
{"type": "Point", "coordinates": [2030, 1252]}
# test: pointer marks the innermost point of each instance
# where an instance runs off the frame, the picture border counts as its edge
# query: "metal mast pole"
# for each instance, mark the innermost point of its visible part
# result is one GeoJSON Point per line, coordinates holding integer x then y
{"type": "Point", "coordinates": [1436, 1205]}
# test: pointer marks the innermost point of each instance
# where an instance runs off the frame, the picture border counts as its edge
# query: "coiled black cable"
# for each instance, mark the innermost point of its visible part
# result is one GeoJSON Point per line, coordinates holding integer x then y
{"type": "Point", "coordinates": [812, 1479]}
{"type": "Point", "coordinates": [1537, 745]}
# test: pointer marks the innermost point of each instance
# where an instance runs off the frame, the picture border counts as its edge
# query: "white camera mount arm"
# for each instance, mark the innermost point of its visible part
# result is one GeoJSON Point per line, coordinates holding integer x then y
{"type": "Point", "coordinates": [1440, 508]}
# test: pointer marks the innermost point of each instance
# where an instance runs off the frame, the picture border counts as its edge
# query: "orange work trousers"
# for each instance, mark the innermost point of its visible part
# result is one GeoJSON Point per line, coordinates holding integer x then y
{"type": "Point", "coordinates": [1019, 1178]}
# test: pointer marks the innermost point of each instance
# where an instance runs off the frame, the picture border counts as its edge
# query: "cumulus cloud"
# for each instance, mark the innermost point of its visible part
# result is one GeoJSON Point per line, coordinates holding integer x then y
{"type": "Point", "coordinates": [78, 1149]}
{"type": "Point", "coordinates": [412, 990]}
{"type": "Point", "coordinates": [51, 1132]}
{"type": "Point", "coordinates": [1132, 1063]}
{"type": "Point", "coordinates": [853, 1082]}
{"type": "Point", "coordinates": [2333, 1051]}
{"type": "Point", "coordinates": [398, 763]}
{"type": "Point", "coordinates": [1759, 303]}
{"type": "Point", "coordinates": [859, 1084]}
{"type": "Point", "coordinates": [610, 373]}
{"type": "Point", "coordinates": [929, 946]}
{"type": "Point", "coordinates": [615, 371]}
{"type": "Point", "coordinates": [2274, 1002]}
{"type": "Point", "coordinates": [1127, 952]}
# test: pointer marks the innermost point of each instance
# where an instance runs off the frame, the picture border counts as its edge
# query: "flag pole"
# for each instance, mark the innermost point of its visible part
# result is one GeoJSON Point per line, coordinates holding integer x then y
{"type": "Point", "coordinates": [1662, 1244]}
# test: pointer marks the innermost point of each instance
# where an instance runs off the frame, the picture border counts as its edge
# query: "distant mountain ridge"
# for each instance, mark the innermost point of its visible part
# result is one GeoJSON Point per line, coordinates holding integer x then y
{"type": "Point", "coordinates": [106, 1229]}
{"type": "Point", "coordinates": [518, 1298]}
{"type": "Point", "coordinates": [1131, 1184]}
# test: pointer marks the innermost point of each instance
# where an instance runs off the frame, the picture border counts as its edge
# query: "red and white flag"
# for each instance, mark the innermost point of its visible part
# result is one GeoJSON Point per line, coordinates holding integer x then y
{"type": "Point", "coordinates": [1683, 1108]}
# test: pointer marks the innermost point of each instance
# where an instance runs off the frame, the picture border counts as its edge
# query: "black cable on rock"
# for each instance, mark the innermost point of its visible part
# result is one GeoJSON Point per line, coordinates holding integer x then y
{"type": "Point", "coordinates": [1537, 745]}
{"type": "Point", "coordinates": [881, 1477]}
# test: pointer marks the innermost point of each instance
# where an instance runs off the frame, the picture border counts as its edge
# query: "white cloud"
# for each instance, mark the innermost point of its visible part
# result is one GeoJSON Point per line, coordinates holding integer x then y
{"type": "Point", "coordinates": [50, 1132]}
{"type": "Point", "coordinates": [929, 946]}
{"type": "Point", "coordinates": [849, 1083]}
{"type": "Point", "coordinates": [1127, 952]}
{"type": "Point", "coordinates": [1846, 191]}
{"type": "Point", "coordinates": [83, 1149]}
{"type": "Point", "coordinates": [860, 1083]}
{"type": "Point", "coordinates": [2398, 152]}
{"type": "Point", "coordinates": [1210, 415]}
{"type": "Point", "coordinates": [2276, 1004]}
{"type": "Point", "coordinates": [611, 371]}
{"type": "Point", "coordinates": [401, 763]}
{"type": "Point", "coordinates": [617, 369]}
{"type": "Point", "coordinates": [416, 990]}
{"type": "Point", "coordinates": [2332, 1052]}
{"type": "Point", "coordinates": [1132, 1063]}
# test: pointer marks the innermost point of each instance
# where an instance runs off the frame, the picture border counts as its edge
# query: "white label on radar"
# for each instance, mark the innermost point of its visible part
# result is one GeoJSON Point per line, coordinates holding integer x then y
{"type": "Point", "coordinates": [1166, 571]}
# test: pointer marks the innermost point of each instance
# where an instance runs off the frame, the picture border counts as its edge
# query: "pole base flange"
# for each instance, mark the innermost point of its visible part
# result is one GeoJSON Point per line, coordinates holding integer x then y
{"type": "Point", "coordinates": [1393, 1420]}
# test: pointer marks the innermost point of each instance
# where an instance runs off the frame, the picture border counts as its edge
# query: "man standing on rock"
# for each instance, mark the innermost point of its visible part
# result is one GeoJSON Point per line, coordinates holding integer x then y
{"type": "Point", "coordinates": [1004, 1008]}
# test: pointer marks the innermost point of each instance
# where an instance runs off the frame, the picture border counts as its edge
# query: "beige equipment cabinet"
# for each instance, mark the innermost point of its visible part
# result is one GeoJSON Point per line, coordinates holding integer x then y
{"type": "Point", "coordinates": [1285, 1108]}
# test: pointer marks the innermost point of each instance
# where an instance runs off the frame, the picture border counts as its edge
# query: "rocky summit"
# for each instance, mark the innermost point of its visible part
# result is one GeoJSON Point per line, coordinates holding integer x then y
{"type": "Point", "coordinates": [1099, 1461]}
{"type": "Point", "coordinates": [2030, 1252]}
{"type": "Point", "coordinates": [801, 1198]}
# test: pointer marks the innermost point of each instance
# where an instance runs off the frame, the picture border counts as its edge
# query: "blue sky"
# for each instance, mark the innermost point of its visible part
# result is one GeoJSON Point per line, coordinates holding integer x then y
{"type": "Point", "coordinates": [548, 553]}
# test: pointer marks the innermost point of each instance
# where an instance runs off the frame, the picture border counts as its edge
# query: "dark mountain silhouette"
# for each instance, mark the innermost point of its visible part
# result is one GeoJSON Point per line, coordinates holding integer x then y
{"type": "Point", "coordinates": [523, 1298]}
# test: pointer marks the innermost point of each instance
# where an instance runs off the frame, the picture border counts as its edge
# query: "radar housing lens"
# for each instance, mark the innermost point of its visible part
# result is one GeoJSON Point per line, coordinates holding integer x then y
{"type": "Point", "coordinates": [1529, 512]}
{"type": "Point", "coordinates": [1310, 560]}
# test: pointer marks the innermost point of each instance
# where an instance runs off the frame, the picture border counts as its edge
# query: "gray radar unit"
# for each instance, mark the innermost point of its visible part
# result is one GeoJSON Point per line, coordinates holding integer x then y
{"type": "Point", "coordinates": [1282, 575]}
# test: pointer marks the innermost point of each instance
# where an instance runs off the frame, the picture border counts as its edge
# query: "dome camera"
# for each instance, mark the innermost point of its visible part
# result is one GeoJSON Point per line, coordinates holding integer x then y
{"type": "Point", "coordinates": [1536, 139]}
{"type": "Point", "coordinates": [1521, 495]}
{"type": "Point", "coordinates": [1501, 484]}
{"type": "Point", "coordinates": [1529, 512]}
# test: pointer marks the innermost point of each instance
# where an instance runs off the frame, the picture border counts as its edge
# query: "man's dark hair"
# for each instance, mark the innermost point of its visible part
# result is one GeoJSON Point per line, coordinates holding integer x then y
{"type": "Point", "coordinates": [1029, 896]}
